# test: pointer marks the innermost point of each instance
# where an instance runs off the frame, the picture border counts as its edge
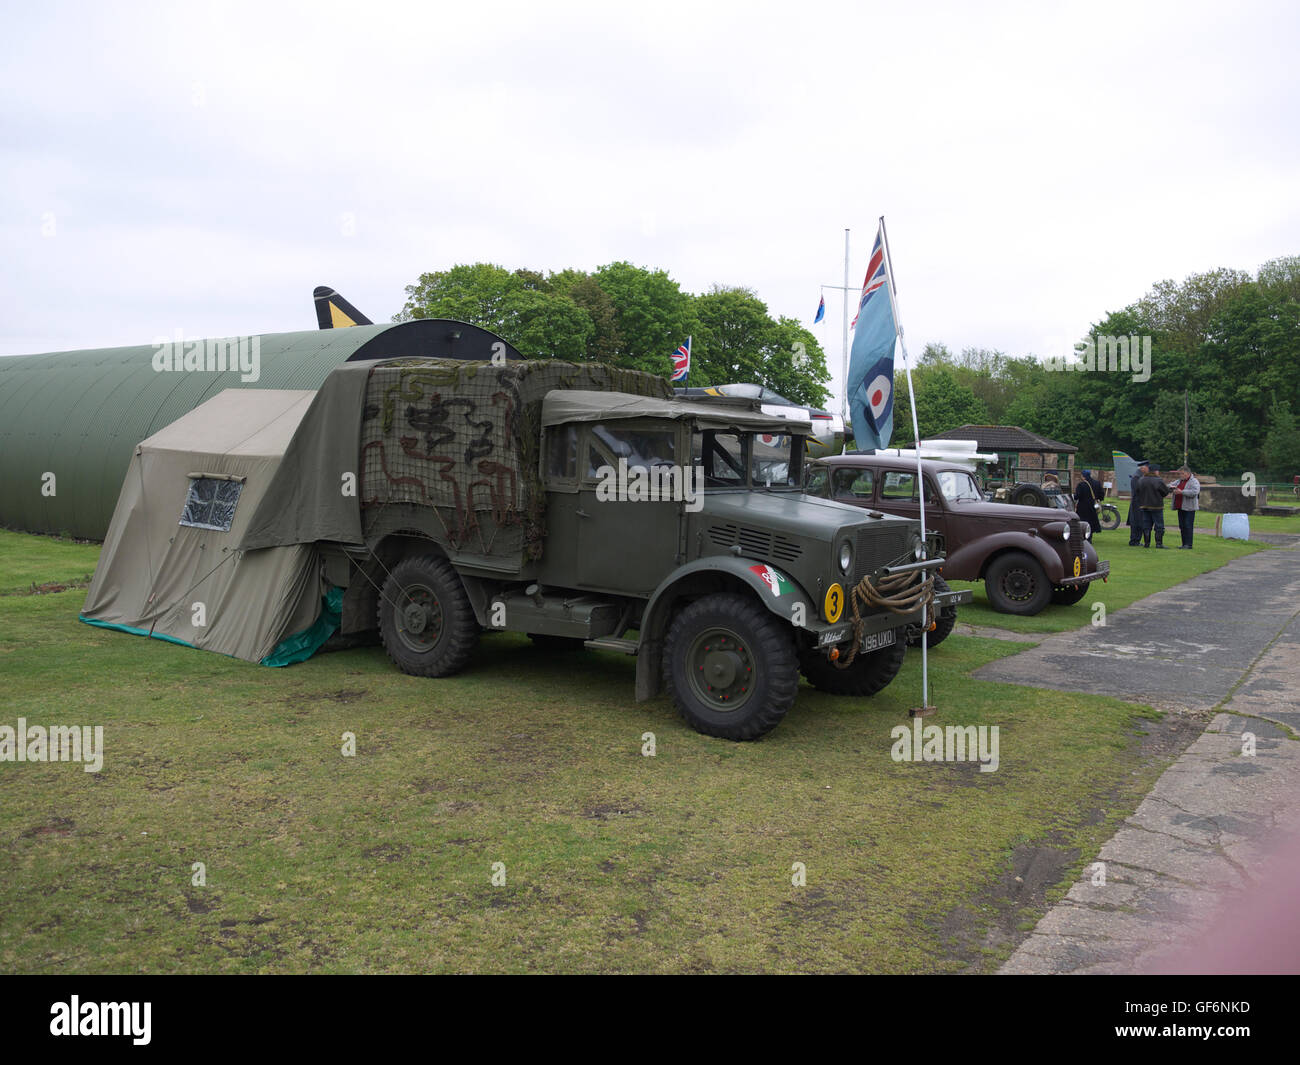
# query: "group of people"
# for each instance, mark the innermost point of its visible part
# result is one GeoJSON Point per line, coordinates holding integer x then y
{"type": "Point", "coordinates": [1146, 512]}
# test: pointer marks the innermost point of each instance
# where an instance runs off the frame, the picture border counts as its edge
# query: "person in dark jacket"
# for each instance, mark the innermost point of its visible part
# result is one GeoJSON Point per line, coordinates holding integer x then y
{"type": "Point", "coordinates": [1134, 514]}
{"type": "Point", "coordinates": [1149, 497]}
{"type": "Point", "coordinates": [1086, 495]}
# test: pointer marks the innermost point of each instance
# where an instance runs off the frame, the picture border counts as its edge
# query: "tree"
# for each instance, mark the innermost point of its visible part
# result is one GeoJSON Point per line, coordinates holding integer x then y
{"type": "Point", "coordinates": [1282, 445]}
{"type": "Point", "coordinates": [795, 365]}
{"type": "Point", "coordinates": [942, 403]}
{"type": "Point", "coordinates": [652, 315]}
{"type": "Point", "coordinates": [522, 307]}
{"type": "Point", "coordinates": [1215, 440]}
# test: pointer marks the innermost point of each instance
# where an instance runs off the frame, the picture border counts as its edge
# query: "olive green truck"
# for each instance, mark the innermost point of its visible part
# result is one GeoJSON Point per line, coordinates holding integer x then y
{"type": "Point", "coordinates": [585, 505]}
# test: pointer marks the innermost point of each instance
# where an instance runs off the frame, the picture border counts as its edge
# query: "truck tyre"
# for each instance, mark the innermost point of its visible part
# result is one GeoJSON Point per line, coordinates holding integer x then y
{"type": "Point", "coordinates": [943, 623]}
{"type": "Point", "coordinates": [731, 667]}
{"type": "Point", "coordinates": [1068, 594]}
{"type": "Point", "coordinates": [1016, 584]}
{"type": "Point", "coordinates": [425, 619]}
{"type": "Point", "coordinates": [868, 674]}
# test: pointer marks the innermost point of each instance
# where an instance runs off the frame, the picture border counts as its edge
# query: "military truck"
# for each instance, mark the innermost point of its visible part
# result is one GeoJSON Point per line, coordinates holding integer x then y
{"type": "Point", "coordinates": [587, 506]}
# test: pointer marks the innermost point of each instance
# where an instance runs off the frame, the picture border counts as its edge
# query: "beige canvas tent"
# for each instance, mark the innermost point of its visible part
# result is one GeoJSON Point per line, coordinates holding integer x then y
{"type": "Point", "coordinates": [172, 567]}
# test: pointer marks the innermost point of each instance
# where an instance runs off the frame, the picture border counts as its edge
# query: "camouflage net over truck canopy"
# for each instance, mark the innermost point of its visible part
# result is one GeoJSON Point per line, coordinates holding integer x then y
{"type": "Point", "coordinates": [464, 438]}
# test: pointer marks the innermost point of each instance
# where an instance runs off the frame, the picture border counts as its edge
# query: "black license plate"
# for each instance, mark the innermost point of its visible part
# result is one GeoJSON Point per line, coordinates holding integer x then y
{"type": "Point", "coordinates": [876, 640]}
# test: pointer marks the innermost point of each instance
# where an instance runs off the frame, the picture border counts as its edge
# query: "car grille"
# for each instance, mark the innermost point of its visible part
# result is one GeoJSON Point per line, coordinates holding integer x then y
{"type": "Point", "coordinates": [879, 545]}
{"type": "Point", "coordinates": [755, 542]}
{"type": "Point", "coordinates": [1076, 539]}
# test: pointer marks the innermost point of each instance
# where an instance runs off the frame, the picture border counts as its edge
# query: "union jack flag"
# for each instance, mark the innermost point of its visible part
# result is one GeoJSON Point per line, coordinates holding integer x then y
{"type": "Point", "coordinates": [682, 361]}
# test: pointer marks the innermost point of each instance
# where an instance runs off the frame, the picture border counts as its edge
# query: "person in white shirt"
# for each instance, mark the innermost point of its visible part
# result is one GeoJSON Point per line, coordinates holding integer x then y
{"type": "Point", "coordinates": [1187, 491]}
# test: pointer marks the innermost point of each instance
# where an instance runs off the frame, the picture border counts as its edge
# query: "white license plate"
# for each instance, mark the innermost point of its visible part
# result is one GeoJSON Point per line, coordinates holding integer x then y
{"type": "Point", "coordinates": [876, 640]}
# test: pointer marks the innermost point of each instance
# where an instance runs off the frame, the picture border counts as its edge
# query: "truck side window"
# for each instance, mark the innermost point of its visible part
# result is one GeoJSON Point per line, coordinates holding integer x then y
{"type": "Point", "coordinates": [562, 453]}
{"type": "Point", "coordinates": [853, 484]}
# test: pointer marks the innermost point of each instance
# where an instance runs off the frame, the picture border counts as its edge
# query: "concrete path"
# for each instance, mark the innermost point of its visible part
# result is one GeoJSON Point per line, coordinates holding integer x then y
{"type": "Point", "coordinates": [1226, 642]}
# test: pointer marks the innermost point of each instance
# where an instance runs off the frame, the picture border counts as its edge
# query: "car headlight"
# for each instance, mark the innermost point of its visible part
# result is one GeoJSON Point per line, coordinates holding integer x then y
{"type": "Point", "coordinates": [1065, 533]}
{"type": "Point", "coordinates": [846, 556]}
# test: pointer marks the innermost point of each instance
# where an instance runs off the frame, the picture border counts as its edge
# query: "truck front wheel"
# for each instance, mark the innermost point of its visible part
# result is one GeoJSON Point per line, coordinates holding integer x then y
{"type": "Point", "coordinates": [868, 674]}
{"type": "Point", "coordinates": [425, 620]}
{"type": "Point", "coordinates": [731, 667]}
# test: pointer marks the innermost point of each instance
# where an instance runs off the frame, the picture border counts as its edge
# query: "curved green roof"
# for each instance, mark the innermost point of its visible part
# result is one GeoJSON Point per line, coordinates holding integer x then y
{"type": "Point", "coordinates": [80, 414]}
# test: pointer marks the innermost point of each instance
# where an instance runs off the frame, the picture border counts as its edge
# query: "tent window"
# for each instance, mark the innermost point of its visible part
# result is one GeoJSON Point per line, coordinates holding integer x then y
{"type": "Point", "coordinates": [211, 503]}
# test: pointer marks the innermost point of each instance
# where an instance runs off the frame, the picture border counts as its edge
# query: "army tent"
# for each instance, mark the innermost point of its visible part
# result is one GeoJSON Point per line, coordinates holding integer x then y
{"type": "Point", "coordinates": [172, 566]}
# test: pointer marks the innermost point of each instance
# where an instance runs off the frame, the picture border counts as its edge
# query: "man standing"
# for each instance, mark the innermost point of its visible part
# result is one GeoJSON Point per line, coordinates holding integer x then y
{"type": "Point", "coordinates": [1187, 491]}
{"type": "Point", "coordinates": [1149, 497]}
{"type": "Point", "coordinates": [1085, 501]}
{"type": "Point", "coordinates": [1134, 514]}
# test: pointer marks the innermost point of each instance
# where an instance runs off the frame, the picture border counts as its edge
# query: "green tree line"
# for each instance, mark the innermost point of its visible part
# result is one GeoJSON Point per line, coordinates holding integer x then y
{"type": "Point", "coordinates": [629, 316]}
{"type": "Point", "coordinates": [1229, 341]}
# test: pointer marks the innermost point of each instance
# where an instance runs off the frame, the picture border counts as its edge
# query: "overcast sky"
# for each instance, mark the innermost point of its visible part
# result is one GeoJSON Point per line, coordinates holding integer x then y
{"type": "Point", "coordinates": [203, 166]}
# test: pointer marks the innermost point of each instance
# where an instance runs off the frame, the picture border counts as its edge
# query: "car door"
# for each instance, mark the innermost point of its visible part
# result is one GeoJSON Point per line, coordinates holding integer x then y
{"type": "Point", "coordinates": [896, 494]}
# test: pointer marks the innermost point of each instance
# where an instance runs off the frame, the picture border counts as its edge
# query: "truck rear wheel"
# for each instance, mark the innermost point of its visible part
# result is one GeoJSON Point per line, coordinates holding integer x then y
{"type": "Point", "coordinates": [869, 673]}
{"type": "Point", "coordinates": [731, 667]}
{"type": "Point", "coordinates": [943, 624]}
{"type": "Point", "coordinates": [1016, 584]}
{"type": "Point", "coordinates": [425, 619]}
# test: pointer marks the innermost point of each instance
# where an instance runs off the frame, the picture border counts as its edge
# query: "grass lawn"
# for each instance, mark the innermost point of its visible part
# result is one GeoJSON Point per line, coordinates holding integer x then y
{"type": "Point", "coordinates": [613, 861]}
{"type": "Point", "coordinates": [1134, 574]}
{"type": "Point", "coordinates": [26, 560]}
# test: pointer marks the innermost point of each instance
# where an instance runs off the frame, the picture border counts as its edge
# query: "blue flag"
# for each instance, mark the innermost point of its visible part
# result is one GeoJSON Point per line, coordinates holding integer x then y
{"type": "Point", "coordinates": [870, 387]}
{"type": "Point", "coordinates": [821, 310]}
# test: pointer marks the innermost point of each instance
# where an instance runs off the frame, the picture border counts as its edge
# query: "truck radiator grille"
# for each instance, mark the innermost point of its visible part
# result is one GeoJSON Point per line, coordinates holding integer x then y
{"type": "Point", "coordinates": [755, 542]}
{"type": "Point", "coordinates": [879, 546]}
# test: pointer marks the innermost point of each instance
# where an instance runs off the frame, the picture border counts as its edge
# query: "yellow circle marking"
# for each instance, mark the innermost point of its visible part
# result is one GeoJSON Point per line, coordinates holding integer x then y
{"type": "Point", "coordinates": [1077, 566]}
{"type": "Point", "coordinates": [833, 607]}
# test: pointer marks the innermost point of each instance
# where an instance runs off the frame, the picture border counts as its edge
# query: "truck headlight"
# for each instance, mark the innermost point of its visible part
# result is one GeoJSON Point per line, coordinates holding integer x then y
{"type": "Point", "coordinates": [918, 548]}
{"type": "Point", "coordinates": [846, 557]}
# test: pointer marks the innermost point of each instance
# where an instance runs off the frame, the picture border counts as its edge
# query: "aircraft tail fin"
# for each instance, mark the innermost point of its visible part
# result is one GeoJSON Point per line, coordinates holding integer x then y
{"type": "Point", "coordinates": [334, 312]}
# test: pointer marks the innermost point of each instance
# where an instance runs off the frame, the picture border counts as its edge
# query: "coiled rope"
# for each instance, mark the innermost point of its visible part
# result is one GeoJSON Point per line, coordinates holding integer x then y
{"type": "Point", "coordinates": [901, 593]}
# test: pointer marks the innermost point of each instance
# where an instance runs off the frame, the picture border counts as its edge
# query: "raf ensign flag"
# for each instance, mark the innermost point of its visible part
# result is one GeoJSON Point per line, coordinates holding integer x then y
{"type": "Point", "coordinates": [870, 386]}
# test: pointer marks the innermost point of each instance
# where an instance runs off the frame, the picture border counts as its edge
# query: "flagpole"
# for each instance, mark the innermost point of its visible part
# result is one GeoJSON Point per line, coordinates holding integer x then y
{"type": "Point", "coordinates": [920, 473]}
{"type": "Point", "coordinates": [844, 402]}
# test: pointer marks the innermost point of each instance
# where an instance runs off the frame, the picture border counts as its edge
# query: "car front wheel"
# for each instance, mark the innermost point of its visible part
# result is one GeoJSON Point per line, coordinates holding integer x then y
{"type": "Point", "coordinates": [1068, 594]}
{"type": "Point", "coordinates": [1016, 584]}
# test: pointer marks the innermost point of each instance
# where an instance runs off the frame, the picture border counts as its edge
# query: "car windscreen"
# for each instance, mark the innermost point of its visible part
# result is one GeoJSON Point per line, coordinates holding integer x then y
{"type": "Point", "coordinates": [958, 486]}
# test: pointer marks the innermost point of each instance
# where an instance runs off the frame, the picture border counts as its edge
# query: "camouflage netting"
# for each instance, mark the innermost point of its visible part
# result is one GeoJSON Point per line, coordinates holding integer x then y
{"type": "Point", "coordinates": [464, 438]}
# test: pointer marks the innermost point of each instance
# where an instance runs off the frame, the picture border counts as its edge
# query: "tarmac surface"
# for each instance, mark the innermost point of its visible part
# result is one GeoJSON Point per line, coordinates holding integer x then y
{"type": "Point", "coordinates": [1224, 819]}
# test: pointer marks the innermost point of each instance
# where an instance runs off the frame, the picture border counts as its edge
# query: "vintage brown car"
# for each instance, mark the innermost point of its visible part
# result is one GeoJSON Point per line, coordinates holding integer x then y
{"type": "Point", "coordinates": [1027, 557]}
